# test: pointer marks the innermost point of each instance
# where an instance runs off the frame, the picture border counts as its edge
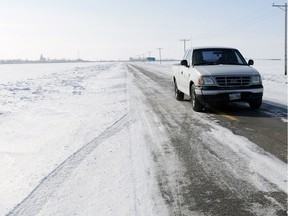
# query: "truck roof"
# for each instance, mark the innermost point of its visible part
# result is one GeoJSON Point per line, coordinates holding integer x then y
{"type": "Point", "coordinates": [211, 47]}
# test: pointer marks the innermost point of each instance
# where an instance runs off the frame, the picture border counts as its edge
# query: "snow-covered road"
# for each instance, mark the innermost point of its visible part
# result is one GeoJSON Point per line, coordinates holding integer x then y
{"type": "Point", "coordinates": [203, 167]}
{"type": "Point", "coordinates": [110, 139]}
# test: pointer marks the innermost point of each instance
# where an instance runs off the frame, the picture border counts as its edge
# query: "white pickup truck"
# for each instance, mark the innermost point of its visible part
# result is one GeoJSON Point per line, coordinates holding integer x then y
{"type": "Point", "coordinates": [217, 75]}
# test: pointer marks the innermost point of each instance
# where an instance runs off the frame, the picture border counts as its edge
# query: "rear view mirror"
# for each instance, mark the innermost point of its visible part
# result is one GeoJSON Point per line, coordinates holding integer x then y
{"type": "Point", "coordinates": [184, 63]}
{"type": "Point", "coordinates": [250, 62]}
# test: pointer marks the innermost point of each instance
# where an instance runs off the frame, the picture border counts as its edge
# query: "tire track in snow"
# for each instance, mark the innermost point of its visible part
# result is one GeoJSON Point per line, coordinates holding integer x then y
{"type": "Point", "coordinates": [33, 203]}
{"type": "Point", "coordinates": [168, 176]}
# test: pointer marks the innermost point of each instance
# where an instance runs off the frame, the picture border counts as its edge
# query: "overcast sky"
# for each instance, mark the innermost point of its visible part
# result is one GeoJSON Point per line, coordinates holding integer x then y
{"type": "Point", "coordinates": [119, 29]}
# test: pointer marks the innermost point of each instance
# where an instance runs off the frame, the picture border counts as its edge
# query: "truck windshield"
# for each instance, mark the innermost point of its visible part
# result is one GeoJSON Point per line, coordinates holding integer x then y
{"type": "Point", "coordinates": [217, 56]}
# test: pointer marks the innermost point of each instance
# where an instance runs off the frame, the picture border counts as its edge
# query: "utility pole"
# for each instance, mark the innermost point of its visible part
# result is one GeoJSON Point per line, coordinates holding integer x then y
{"type": "Point", "coordinates": [284, 8]}
{"type": "Point", "coordinates": [184, 40]}
{"type": "Point", "coordinates": [160, 54]}
{"type": "Point", "coordinates": [149, 53]}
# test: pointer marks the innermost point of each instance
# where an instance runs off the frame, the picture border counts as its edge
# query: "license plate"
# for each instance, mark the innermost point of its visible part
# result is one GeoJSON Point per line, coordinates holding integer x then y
{"type": "Point", "coordinates": [234, 96]}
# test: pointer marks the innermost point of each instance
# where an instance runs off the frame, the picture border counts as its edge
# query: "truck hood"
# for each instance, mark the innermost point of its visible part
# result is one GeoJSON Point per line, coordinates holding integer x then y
{"type": "Point", "coordinates": [226, 70]}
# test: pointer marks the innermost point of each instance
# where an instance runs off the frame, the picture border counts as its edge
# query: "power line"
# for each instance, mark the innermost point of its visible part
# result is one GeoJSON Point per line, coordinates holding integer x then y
{"type": "Point", "coordinates": [234, 26]}
{"type": "Point", "coordinates": [284, 8]}
{"type": "Point", "coordinates": [249, 19]}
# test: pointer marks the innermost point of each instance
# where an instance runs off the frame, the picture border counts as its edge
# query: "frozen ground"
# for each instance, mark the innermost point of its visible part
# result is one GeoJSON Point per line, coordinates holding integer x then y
{"type": "Point", "coordinates": [274, 80]}
{"type": "Point", "coordinates": [52, 119]}
{"type": "Point", "coordinates": [71, 141]}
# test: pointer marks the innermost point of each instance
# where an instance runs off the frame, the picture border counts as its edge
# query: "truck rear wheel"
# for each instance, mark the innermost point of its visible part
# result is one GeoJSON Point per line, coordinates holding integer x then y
{"type": "Point", "coordinates": [178, 94]}
{"type": "Point", "coordinates": [196, 104]}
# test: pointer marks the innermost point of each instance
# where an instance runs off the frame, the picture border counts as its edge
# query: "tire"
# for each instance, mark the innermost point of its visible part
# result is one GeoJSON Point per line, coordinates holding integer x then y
{"type": "Point", "coordinates": [178, 94]}
{"type": "Point", "coordinates": [255, 104]}
{"type": "Point", "coordinates": [196, 104]}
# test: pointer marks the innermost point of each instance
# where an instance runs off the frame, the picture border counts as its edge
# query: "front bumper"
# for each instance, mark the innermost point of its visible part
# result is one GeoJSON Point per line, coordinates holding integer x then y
{"type": "Point", "coordinates": [215, 95]}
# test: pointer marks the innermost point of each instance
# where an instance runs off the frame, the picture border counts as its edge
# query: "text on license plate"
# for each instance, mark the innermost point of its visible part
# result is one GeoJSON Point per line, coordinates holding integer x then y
{"type": "Point", "coordinates": [234, 96]}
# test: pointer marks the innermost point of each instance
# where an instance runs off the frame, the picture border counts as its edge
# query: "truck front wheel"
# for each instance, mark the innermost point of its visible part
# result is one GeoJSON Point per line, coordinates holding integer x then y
{"type": "Point", "coordinates": [196, 104]}
{"type": "Point", "coordinates": [255, 104]}
{"type": "Point", "coordinates": [178, 94]}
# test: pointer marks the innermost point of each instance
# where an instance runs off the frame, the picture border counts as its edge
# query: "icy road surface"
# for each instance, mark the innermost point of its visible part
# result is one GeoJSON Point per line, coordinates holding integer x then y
{"type": "Point", "coordinates": [110, 139]}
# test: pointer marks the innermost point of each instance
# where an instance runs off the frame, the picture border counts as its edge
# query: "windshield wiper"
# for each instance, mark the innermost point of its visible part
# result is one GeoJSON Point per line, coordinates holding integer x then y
{"type": "Point", "coordinates": [206, 63]}
{"type": "Point", "coordinates": [224, 63]}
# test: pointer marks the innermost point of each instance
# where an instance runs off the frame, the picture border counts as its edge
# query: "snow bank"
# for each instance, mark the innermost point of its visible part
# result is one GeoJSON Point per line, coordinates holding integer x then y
{"type": "Point", "coordinates": [70, 146]}
{"type": "Point", "coordinates": [47, 116]}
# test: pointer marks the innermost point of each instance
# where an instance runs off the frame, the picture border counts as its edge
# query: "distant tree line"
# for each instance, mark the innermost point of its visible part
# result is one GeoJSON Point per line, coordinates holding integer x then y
{"type": "Point", "coordinates": [21, 61]}
{"type": "Point", "coordinates": [41, 60]}
{"type": "Point", "coordinates": [149, 59]}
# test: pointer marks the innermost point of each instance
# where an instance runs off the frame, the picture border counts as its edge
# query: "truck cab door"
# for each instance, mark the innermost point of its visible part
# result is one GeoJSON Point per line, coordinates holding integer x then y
{"type": "Point", "coordinates": [185, 73]}
{"type": "Point", "coordinates": [186, 80]}
{"type": "Point", "coordinates": [182, 71]}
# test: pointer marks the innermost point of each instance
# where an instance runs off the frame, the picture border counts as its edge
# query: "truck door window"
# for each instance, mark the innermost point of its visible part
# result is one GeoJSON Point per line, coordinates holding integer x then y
{"type": "Point", "coordinates": [185, 55]}
{"type": "Point", "coordinates": [189, 57]}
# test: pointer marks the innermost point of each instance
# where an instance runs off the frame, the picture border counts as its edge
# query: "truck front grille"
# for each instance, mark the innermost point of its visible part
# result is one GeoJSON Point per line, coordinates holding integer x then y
{"type": "Point", "coordinates": [233, 81]}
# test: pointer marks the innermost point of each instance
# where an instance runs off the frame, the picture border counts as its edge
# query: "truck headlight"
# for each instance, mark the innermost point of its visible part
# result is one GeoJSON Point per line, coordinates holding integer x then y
{"type": "Point", "coordinates": [256, 80]}
{"type": "Point", "coordinates": [206, 81]}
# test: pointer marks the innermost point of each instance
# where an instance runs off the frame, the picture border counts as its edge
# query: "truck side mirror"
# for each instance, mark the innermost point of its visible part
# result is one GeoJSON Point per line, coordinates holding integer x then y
{"type": "Point", "coordinates": [184, 63]}
{"type": "Point", "coordinates": [250, 62]}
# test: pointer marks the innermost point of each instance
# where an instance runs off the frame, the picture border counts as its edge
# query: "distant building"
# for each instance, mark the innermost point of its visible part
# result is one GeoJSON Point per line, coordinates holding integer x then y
{"type": "Point", "coordinates": [151, 59]}
{"type": "Point", "coordinates": [42, 59]}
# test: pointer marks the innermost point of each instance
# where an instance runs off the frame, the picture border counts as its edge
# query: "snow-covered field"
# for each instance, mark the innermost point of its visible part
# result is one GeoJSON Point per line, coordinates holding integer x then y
{"type": "Point", "coordinates": [48, 112]}
{"type": "Point", "coordinates": [274, 80]}
{"type": "Point", "coordinates": [53, 117]}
